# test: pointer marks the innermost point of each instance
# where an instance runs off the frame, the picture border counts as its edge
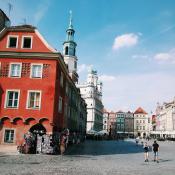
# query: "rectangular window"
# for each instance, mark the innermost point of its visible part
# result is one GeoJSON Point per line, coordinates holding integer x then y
{"type": "Point", "coordinates": [67, 88]}
{"type": "Point", "coordinates": [26, 42]}
{"type": "Point", "coordinates": [75, 66]}
{"type": "Point", "coordinates": [143, 127]}
{"type": "Point", "coordinates": [12, 42]}
{"type": "Point", "coordinates": [15, 70]}
{"type": "Point", "coordinates": [12, 99]}
{"type": "Point", "coordinates": [60, 105]}
{"type": "Point", "coordinates": [34, 100]}
{"type": "Point", "coordinates": [36, 71]}
{"type": "Point", "coordinates": [9, 136]}
{"type": "Point", "coordinates": [65, 109]}
{"type": "Point", "coordinates": [61, 79]}
{"type": "Point", "coordinates": [69, 112]}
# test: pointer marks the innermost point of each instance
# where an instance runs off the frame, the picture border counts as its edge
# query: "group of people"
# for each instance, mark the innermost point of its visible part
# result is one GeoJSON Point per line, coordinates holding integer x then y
{"type": "Point", "coordinates": [147, 148]}
{"type": "Point", "coordinates": [155, 148]}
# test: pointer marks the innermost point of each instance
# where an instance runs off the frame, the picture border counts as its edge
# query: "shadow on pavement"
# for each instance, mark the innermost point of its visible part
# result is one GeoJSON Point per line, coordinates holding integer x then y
{"type": "Point", "coordinates": [166, 160]}
{"type": "Point", "coordinates": [104, 148]}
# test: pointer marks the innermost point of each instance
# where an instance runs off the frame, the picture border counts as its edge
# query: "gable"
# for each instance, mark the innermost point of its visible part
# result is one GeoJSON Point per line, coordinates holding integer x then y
{"type": "Point", "coordinates": [38, 43]}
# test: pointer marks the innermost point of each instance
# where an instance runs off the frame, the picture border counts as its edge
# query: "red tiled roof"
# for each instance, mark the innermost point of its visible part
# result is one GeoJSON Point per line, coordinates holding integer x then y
{"type": "Point", "coordinates": [140, 111]}
{"type": "Point", "coordinates": [104, 110]}
{"type": "Point", "coordinates": [112, 112]}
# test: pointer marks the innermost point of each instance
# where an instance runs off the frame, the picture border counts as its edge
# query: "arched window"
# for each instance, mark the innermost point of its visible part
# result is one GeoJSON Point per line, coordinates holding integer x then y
{"type": "Point", "coordinates": [74, 52]}
{"type": "Point", "coordinates": [66, 50]}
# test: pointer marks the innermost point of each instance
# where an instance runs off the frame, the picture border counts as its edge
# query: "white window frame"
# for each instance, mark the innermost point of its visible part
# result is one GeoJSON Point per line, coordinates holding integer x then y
{"type": "Point", "coordinates": [11, 70]}
{"type": "Point", "coordinates": [10, 90]}
{"type": "Point", "coordinates": [8, 41]}
{"type": "Point", "coordinates": [27, 103]}
{"type": "Point", "coordinates": [14, 138]}
{"type": "Point", "coordinates": [22, 43]}
{"type": "Point", "coordinates": [36, 64]}
{"type": "Point", "coordinates": [60, 104]}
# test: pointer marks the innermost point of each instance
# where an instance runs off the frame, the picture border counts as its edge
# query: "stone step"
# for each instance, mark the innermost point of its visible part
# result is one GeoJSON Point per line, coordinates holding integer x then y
{"type": "Point", "coordinates": [8, 149]}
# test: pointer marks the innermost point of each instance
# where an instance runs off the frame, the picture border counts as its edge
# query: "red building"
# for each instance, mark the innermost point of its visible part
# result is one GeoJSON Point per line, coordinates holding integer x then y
{"type": "Point", "coordinates": [36, 91]}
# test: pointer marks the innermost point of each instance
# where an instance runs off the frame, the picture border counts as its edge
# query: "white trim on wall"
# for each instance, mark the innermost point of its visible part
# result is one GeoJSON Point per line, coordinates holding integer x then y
{"type": "Point", "coordinates": [8, 40]}
{"type": "Point", "coordinates": [27, 102]}
{"type": "Point", "coordinates": [14, 90]}
{"type": "Point", "coordinates": [22, 41]}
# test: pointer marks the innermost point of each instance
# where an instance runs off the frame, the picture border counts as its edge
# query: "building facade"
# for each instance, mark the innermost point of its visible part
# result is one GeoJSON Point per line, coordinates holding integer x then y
{"type": "Point", "coordinates": [165, 120]}
{"type": "Point", "coordinates": [105, 120]}
{"type": "Point", "coordinates": [36, 91]}
{"type": "Point", "coordinates": [125, 124]}
{"type": "Point", "coordinates": [91, 92]}
{"type": "Point", "coordinates": [141, 123]}
{"type": "Point", "coordinates": [112, 124]}
{"type": "Point", "coordinates": [120, 124]}
{"type": "Point", "coordinates": [129, 124]}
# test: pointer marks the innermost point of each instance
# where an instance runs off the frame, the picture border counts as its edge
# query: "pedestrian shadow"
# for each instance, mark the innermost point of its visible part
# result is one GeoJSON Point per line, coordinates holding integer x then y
{"type": "Point", "coordinates": [165, 160]}
{"type": "Point", "coordinates": [160, 161]}
{"type": "Point", "coordinates": [95, 148]}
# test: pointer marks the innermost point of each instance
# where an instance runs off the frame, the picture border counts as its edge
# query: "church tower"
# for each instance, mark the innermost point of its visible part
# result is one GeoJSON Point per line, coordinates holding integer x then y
{"type": "Point", "coordinates": [69, 51]}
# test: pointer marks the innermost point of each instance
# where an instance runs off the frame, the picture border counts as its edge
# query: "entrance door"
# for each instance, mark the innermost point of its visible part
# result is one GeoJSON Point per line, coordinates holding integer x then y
{"type": "Point", "coordinates": [37, 131]}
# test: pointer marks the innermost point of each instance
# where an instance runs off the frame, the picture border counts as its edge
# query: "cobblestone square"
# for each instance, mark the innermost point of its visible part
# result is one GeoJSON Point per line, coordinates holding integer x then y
{"type": "Point", "coordinates": [93, 158]}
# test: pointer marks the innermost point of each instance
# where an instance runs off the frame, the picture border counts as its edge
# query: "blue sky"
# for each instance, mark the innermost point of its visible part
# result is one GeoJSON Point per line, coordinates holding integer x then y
{"type": "Point", "coordinates": [131, 43]}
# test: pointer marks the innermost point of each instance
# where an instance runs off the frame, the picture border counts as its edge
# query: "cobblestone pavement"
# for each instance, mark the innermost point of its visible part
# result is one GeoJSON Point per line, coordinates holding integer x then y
{"type": "Point", "coordinates": [93, 158]}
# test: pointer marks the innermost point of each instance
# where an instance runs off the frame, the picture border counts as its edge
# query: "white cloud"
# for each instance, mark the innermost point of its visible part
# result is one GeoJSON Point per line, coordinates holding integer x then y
{"type": "Point", "coordinates": [127, 92]}
{"type": "Point", "coordinates": [41, 10]}
{"type": "Point", "coordinates": [84, 68]}
{"type": "Point", "coordinates": [166, 57]}
{"type": "Point", "coordinates": [139, 56]}
{"type": "Point", "coordinates": [126, 40]}
{"type": "Point", "coordinates": [106, 78]}
{"type": "Point", "coordinates": [162, 56]}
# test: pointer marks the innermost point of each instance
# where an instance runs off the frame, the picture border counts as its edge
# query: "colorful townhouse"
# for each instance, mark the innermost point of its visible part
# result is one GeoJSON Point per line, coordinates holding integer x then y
{"type": "Point", "coordinates": [36, 91]}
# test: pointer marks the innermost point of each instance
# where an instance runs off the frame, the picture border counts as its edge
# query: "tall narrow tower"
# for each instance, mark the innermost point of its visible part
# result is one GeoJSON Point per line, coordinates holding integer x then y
{"type": "Point", "coordinates": [69, 51]}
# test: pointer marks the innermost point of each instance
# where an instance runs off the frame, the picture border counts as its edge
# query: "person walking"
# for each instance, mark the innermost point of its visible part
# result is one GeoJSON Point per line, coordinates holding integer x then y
{"type": "Point", "coordinates": [146, 150]}
{"type": "Point", "coordinates": [156, 150]}
{"type": "Point", "coordinates": [62, 144]}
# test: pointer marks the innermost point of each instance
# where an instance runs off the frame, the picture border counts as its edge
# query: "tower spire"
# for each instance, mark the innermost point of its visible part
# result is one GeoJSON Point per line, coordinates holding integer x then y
{"type": "Point", "coordinates": [70, 20]}
{"type": "Point", "coordinates": [69, 50]}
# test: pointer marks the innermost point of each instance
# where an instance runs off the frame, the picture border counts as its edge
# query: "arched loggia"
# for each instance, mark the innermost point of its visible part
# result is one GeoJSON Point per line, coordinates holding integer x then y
{"type": "Point", "coordinates": [38, 129]}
